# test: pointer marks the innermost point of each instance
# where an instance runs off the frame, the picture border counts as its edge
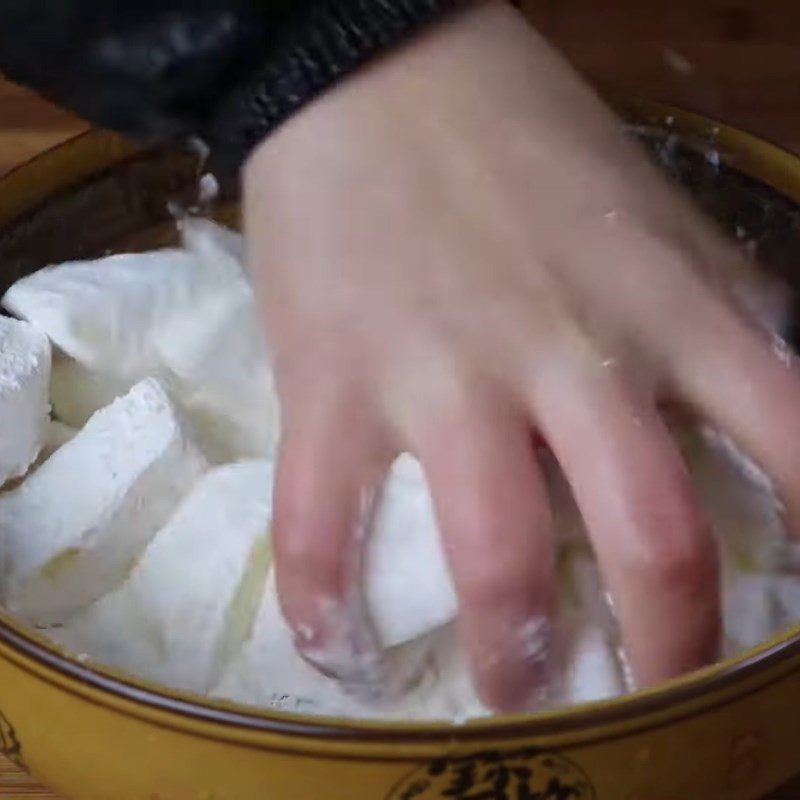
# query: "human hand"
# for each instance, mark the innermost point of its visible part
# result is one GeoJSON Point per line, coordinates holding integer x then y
{"type": "Point", "coordinates": [458, 251]}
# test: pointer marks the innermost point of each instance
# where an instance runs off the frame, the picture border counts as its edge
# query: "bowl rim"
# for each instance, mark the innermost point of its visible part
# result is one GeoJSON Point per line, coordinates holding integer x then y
{"type": "Point", "coordinates": [711, 687]}
{"type": "Point", "coordinates": [752, 155]}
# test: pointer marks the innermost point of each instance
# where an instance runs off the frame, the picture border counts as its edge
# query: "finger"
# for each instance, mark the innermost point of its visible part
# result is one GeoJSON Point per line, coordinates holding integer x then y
{"type": "Point", "coordinates": [748, 385]}
{"type": "Point", "coordinates": [655, 550]}
{"type": "Point", "coordinates": [493, 513]}
{"type": "Point", "coordinates": [327, 468]}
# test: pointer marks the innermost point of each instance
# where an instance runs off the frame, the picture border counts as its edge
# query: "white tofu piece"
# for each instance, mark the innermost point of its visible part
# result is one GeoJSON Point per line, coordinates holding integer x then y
{"type": "Point", "coordinates": [219, 356]}
{"type": "Point", "coordinates": [751, 612]}
{"type": "Point", "coordinates": [588, 665]}
{"type": "Point", "coordinates": [587, 662]}
{"type": "Point", "coordinates": [408, 585]}
{"type": "Point", "coordinates": [787, 599]}
{"type": "Point", "coordinates": [24, 403]}
{"type": "Point", "coordinates": [190, 602]}
{"type": "Point", "coordinates": [213, 242]}
{"type": "Point", "coordinates": [108, 314]}
{"type": "Point", "coordinates": [447, 692]}
{"type": "Point", "coordinates": [740, 500]}
{"type": "Point", "coordinates": [186, 579]}
{"type": "Point", "coordinates": [75, 527]}
{"type": "Point", "coordinates": [115, 320]}
{"type": "Point", "coordinates": [746, 517]}
{"type": "Point", "coordinates": [77, 392]}
{"type": "Point", "coordinates": [269, 673]}
{"type": "Point", "coordinates": [186, 316]}
{"type": "Point", "coordinates": [593, 670]}
{"type": "Point", "coordinates": [221, 375]}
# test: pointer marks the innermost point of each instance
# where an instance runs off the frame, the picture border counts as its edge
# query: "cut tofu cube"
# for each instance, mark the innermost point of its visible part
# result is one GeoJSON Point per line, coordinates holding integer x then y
{"type": "Point", "coordinates": [409, 589]}
{"type": "Point", "coordinates": [751, 610]}
{"type": "Point", "coordinates": [108, 314]}
{"type": "Point", "coordinates": [447, 690]}
{"type": "Point", "coordinates": [219, 358]}
{"type": "Point", "coordinates": [269, 673]}
{"type": "Point", "coordinates": [589, 666]}
{"type": "Point", "coordinates": [185, 316]}
{"type": "Point", "coordinates": [74, 528]}
{"type": "Point", "coordinates": [77, 392]}
{"type": "Point", "coordinates": [221, 375]}
{"type": "Point", "coordinates": [739, 500]}
{"type": "Point", "coordinates": [787, 599]}
{"type": "Point", "coordinates": [594, 671]}
{"type": "Point", "coordinates": [189, 604]}
{"type": "Point", "coordinates": [746, 517]}
{"type": "Point", "coordinates": [184, 585]}
{"type": "Point", "coordinates": [24, 403]}
{"type": "Point", "coordinates": [213, 242]}
{"type": "Point", "coordinates": [743, 505]}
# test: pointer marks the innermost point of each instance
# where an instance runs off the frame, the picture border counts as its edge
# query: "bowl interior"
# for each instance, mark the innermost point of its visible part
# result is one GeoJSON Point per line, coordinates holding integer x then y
{"type": "Point", "coordinates": [132, 204]}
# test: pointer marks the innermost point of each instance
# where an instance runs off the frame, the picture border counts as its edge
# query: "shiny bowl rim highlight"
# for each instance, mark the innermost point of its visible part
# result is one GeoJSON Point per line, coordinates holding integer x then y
{"type": "Point", "coordinates": [96, 151]}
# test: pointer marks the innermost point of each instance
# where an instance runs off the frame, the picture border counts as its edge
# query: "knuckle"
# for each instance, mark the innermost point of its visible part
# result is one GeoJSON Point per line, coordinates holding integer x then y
{"type": "Point", "coordinates": [491, 582]}
{"type": "Point", "coordinates": [503, 555]}
{"type": "Point", "coordinates": [679, 561]}
{"type": "Point", "coordinates": [487, 586]}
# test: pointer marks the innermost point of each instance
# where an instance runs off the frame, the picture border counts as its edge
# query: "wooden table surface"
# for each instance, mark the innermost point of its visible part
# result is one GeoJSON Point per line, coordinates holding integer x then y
{"type": "Point", "coordinates": [734, 59]}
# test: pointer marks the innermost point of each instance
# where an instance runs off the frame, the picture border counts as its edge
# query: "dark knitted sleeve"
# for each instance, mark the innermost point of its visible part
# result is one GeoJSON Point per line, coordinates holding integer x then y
{"type": "Point", "coordinates": [224, 71]}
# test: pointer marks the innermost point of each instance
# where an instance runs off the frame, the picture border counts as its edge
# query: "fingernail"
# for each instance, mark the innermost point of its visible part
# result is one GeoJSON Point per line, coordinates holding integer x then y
{"type": "Point", "coordinates": [341, 645]}
{"type": "Point", "coordinates": [338, 637]}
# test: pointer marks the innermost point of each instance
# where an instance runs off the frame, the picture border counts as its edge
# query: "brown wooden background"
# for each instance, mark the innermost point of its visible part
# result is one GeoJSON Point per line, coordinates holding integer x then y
{"type": "Point", "coordinates": [738, 60]}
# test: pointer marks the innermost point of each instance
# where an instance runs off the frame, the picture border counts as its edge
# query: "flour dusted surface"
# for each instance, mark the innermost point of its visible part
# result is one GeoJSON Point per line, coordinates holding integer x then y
{"type": "Point", "coordinates": [75, 526]}
{"type": "Point", "coordinates": [147, 559]}
{"type": "Point", "coordinates": [24, 399]}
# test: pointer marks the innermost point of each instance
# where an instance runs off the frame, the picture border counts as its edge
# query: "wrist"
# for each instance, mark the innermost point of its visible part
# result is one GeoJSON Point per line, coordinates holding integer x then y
{"type": "Point", "coordinates": [331, 41]}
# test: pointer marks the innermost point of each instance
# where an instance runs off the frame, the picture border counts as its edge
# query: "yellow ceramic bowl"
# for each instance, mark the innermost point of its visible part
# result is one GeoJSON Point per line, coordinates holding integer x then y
{"type": "Point", "coordinates": [731, 732]}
